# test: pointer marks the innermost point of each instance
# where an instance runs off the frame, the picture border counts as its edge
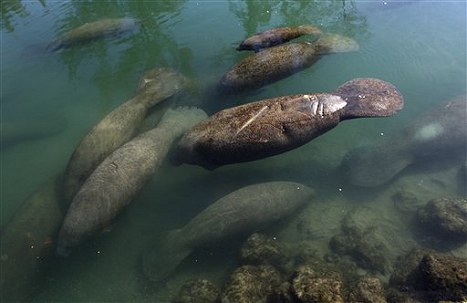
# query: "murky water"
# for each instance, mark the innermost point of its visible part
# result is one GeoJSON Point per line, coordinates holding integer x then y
{"type": "Point", "coordinates": [50, 100]}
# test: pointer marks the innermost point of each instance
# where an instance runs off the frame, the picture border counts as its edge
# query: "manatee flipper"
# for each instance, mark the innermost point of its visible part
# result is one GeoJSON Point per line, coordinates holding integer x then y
{"type": "Point", "coordinates": [369, 97]}
{"type": "Point", "coordinates": [371, 166]}
{"type": "Point", "coordinates": [161, 259]}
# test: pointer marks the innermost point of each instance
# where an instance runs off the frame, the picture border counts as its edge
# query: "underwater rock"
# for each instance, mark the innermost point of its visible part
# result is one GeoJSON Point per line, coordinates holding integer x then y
{"type": "Point", "coordinates": [367, 290]}
{"type": "Point", "coordinates": [429, 276]}
{"type": "Point", "coordinates": [276, 36]}
{"type": "Point", "coordinates": [437, 136]}
{"type": "Point", "coordinates": [405, 268]}
{"type": "Point", "coordinates": [120, 177]}
{"type": "Point", "coordinates": [282, 294]}
{"type": "Point", "coordinates": [260, 249]}
{"type": "Point", "coordinates": [276, 63]}
{"type": "Point", "coordinates": [462, 180]}
{"type": "Point", "coordinates": [92, 31]}
{"type": "Point", "coordinates": [444, 218]}
{"type": "Point", "coordinates": [361, 242]}
{"type": "Point", "coordinates": [27, 243]}
{"type": "Point", "coordinates": [242, 212]}
{"type": "Point", "coordinates": [445, 277]}
{"type": "Point", "coordinates": [119, 126]}
{"type": "Point", "coordinates": [198, 291]}
{"type": "Point", "coordinates": [269, 127]}
{"type": "Point", "coordinates": [251, 284]}
{"type": "Point", "coordinates": [395, 296]}
{"type": "Point", "coordinates": [432, 276]}
{"type": "Point", "coordinates": [308, 286]}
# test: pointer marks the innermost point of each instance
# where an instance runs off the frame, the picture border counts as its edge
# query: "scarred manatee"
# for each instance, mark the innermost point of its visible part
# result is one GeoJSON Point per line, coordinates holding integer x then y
{"type": "Point", "coordinates": [269, 127]}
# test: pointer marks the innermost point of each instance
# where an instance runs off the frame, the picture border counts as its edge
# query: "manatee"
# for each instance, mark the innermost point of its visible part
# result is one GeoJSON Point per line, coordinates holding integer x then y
{"type": "Point", "coordinates": [276, 36]}
{"type": "Point", "coordinates": [276, 63]}
{"type": "Point", "coordinates": [269, 127]}
{"type": "Point", "coordinates": [92, 31]}
{"type": "Point", "coordinates": [241, 212]}
{"type": "Point", "coordinates": [27, 243]}
{"type": "Point", "coordinates": [434, 136]}
{"type": "Point", "coordinates": [119, 178]}
{"type": "Point", "coordinates": [119, 126]}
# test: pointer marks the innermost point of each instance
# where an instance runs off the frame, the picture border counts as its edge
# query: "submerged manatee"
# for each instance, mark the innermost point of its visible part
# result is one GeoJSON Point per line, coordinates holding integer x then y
{"type": "Point", "coordinates": [119, 178]}
{"type": "Point", "coordinates": [119, 126]}
{"type": "Point", "coordinates": [270, 127]}
{"type": "Point", "coordinates": [92, 31]}
{"type": "Point", "coordinates": [244, 211]}
{"type": "Point", "coordinates": [434, 136]}
{"type": "Point", "coordinates": [27, 242]}
{"type": "Point", "coordinates": [275, 63]}
{"type": "Point", "coordinates": [276, 36]}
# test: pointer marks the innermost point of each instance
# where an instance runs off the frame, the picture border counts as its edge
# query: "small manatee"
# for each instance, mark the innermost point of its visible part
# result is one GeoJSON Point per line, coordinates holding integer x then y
{"type": "Point", "coordinates": [92, 31]}
{"type": "Point", "coordinates": [276, 36]}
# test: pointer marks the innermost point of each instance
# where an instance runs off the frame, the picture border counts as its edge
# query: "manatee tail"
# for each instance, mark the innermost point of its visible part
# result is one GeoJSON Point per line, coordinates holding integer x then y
{"type": "Point", "coordinates": [367, 97]}
{"type": "Point", "coordinates": [334, 43]}
{"type": "Point", "coordinates": [161, 259]}
{"type": "Point", "coordinates": [372, 166]}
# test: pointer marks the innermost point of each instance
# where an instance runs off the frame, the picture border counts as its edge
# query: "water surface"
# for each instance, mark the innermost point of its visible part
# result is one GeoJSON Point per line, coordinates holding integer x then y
{"type": "Point", "coordinates": [51, 100]}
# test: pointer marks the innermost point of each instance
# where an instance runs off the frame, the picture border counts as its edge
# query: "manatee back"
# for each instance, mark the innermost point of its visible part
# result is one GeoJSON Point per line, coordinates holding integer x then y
{"type": "Point", "coordinates": [276, 36]}
{"type": "Point", "coordinates": [269, 65]}
{"type": "Point", "coordinates": [246, 210]}
{"type": "Point", "coordinates": [259, 129]}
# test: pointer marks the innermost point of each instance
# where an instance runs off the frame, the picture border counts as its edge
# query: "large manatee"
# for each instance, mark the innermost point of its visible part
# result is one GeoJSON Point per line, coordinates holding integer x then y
{"type": "Point", "coordinates": [27, 243]}
{"type": "Point", "coordinates": [276, 36]}
{"type": "Point", "coordinates": [270, 127]}
{"type": "Point", "coordinates": [93, 30]}
{"type": "Point", "coordinates": [243, 211]}
{"type": "Point", "coordinates": [433, 136]}
{"type": "Point", "coordinates": [275, 63]}
{"type": "Point", "coordinates": [119, 126]}
{"type": "Point", "coordinates": [119, 178]}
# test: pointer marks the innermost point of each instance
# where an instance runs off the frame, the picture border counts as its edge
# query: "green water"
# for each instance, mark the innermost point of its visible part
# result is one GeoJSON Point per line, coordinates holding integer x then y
{"type": "Point", "coordinates": [53, 99]}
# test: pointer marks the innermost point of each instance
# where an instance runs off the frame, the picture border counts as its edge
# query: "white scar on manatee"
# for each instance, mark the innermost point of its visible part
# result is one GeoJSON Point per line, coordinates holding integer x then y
{"type": "Point", "coordinates": [252, 119]}
{"type": "Point", "coordinates": [329, 105]}
{"type": "Point", "coordinates": [429, 131]}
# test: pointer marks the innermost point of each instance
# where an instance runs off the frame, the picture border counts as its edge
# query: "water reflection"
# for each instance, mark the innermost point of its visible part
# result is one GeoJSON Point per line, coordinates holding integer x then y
{"type": "Point", "coordinates": [152, 45]}
{"type": "Point", "coordinates": [12, 8]}
{"type": "Point", "coordinates": [334, 16]}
